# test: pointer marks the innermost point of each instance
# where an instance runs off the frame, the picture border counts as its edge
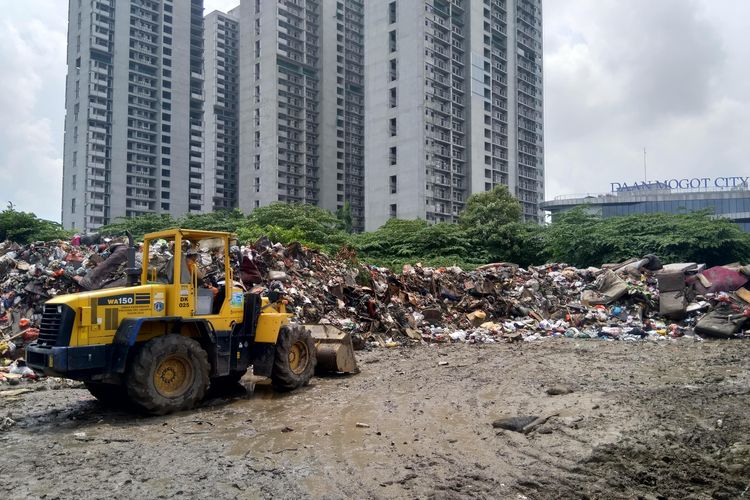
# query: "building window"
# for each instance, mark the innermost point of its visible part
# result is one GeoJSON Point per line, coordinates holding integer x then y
{"type": "Point", "coordinates": [392, 41]}
{"type": "Point", "coordinates": [392, 97]}
{"type": "Point", "coordinates": [73, 206]}
{"type": "Point", "coordinates": [394, 210]}
{"type": "Point", "coordinates": [393, 155]}
{"type": "Point", "coordinates": [392, 127]}
{"type": "Point", "coordinates": [73, 182]}
{"type": "Point", "coordinates": [393, 70]}
{"type": "Point", "coordinates": [392, 12]}
{"type": "Point", "coordinates": [394, 184]}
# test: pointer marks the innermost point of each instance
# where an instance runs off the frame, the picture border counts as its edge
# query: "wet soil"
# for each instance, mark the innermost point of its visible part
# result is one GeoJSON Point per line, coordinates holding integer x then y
{"type": "Point", "coordinates": [643, 420]}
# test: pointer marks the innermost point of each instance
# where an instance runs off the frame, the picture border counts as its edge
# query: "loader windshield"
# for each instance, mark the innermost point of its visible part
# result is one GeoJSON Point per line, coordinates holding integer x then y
{"type": "Point", "coordinates": [161, 261]}
{"type": "Point", "coordinates": [205, 267]}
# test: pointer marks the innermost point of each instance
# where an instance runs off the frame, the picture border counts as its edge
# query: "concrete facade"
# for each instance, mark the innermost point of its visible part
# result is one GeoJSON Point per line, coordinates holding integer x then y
{"type": "Point", "coordinates": [342, 108]}
{"type": "Point", "coordinates": [134, 110]}
{"type": "Point", "coordinates": [454, 106]}
{"type": "Point", "coordinates": [301, 104]}
{"type": "Point", "coordinates": [222, 70]}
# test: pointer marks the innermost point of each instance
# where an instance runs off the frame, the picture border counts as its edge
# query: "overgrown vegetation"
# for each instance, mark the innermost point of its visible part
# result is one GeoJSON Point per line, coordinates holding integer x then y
{"type": "Point", "coordinates": [25, 227]}
{"type": "Point", "coordinates": [583, 239]}
{"type": "Point", "coordinates": [488, 231]}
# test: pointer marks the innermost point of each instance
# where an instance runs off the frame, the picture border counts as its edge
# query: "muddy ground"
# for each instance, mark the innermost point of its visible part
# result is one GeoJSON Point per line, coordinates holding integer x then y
{"type": "Point", "coordinates": [649, 420]}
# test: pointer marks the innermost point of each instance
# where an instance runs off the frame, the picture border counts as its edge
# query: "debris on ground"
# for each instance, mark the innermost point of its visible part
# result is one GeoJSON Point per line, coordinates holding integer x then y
{"type": "Point", "coordinates": [559, 390]}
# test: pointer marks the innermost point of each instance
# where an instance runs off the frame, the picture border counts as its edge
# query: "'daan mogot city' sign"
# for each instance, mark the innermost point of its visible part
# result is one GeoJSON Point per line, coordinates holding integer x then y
{"type": "Point", "coordinates": [687, 183]}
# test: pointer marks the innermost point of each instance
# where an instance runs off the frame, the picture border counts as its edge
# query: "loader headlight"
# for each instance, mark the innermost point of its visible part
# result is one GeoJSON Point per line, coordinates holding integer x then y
{"type": "Point", "coordinates": [59, 309]}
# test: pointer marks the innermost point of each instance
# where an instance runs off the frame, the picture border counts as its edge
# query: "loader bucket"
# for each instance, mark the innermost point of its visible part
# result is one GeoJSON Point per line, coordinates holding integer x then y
{"type": "Point", "coordinates": [334, 348]}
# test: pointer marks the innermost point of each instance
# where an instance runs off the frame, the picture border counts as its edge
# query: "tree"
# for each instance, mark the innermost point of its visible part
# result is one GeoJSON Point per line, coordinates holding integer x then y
{"type": "Point", "coordinates": [344, 214]}
{"type": "Point", "coordinates": [492, 220]}
{"type": "Point", "coordinates": [570, 238]}
{"type": "Point", "coordinates": [522, 243]}
{"type": "Point", "coordinates": [25, 227]}
{"type": "Point", "coordinates": [408, 241]}
{"type": "Point", "coordinates": [489, 210]}
{"type": "Point", "coordinates": [223, 220]}
{"type": "Point", "coordinates": [140, 225]}
{"type": "Point", "coordinates": [310, 225]}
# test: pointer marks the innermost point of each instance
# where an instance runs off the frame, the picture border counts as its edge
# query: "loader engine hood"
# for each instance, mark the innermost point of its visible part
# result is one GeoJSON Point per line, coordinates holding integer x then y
{"type": "Point", "coordinates": [92, 316]}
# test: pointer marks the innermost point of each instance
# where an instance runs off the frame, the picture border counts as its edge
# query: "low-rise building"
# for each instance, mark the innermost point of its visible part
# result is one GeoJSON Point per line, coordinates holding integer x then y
{"type": "Point", "coordinates": [725, 196]}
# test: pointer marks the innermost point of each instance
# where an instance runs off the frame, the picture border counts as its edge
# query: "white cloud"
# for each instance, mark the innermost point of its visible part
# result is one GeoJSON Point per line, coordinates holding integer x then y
{"type": "Point", "coordinates": [222, 5]}
{"type": "Point", "coordinates": [32, 52]}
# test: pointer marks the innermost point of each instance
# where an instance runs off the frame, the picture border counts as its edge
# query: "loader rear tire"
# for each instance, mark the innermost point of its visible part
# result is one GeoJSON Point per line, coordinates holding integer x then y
{"type": "Point", "coordinates": [115, 396]}
{"type": "Point", "coordinates": [169, 374]}
{"type": "Point", "coordinates": [294, 360]}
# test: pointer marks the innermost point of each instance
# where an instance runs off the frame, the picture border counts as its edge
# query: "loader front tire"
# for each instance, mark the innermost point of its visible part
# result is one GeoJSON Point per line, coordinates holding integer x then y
{"type": "Point", "coordinates": [169, 374]}
{"type": "Point", "coordinates": [295, 358]}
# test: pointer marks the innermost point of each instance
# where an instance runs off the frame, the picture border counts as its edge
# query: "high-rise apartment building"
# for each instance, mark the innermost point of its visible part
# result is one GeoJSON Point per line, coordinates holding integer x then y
{"type": "Point", "coordinates": [134, 111]}
{"type": "Point", "coordinates": [302, 104]}
{"type": "Point", "coordinates": [453, 104]}
{"type": "Point", "coordinates": [222, 64]}
{"type": "Point", "coordinates": [342, 102]}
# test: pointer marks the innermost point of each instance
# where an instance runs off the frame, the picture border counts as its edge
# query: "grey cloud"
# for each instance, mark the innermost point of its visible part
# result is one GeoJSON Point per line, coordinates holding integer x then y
{"type": "Point", "coordinates": [667, 53]}
{"type": "Point", "coordinates": [661, 74]}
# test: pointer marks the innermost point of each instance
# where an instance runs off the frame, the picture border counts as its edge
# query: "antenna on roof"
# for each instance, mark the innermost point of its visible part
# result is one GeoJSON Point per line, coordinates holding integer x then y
{"type": "Point", "coordinates": [645, 177]}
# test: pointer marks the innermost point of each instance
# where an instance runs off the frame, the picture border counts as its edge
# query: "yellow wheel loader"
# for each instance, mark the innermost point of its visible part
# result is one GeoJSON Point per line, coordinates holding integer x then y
{"type": "Point", "coordinates": [161, 341]}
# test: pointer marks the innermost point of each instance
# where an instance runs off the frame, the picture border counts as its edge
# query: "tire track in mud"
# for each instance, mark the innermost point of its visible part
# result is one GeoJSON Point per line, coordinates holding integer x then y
{"type": "Point", "coordinates": [642, 420]}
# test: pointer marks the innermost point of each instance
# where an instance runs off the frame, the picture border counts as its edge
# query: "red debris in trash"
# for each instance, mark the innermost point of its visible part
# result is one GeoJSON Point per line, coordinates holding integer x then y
{"type": "Point", "coordinates": [30, 335]}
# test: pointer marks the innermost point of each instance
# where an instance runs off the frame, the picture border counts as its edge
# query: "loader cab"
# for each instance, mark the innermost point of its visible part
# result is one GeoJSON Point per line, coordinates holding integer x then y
{"type": "Point", "coordinates": [196, 267]}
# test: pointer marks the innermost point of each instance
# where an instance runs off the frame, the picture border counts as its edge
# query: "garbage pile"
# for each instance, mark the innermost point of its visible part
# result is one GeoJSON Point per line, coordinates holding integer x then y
{"type": "Point", "coordinates": [634, 300]}
{"type": "Point", "coordinates": [32, 274]}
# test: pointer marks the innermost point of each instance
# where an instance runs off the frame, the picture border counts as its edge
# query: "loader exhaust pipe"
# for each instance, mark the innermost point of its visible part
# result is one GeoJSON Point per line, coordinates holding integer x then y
{"type": "Point", "coordinates": [133, 274]}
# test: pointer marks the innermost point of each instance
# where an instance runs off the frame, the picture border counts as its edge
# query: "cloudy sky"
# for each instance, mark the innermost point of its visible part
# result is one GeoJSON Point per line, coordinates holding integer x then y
{"type": "Point", "coordinates": [620, 75]}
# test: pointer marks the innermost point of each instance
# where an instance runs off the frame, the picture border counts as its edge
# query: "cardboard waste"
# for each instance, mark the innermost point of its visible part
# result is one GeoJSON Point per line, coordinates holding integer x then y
{"type": "Point", "coordinates": [634, 300]}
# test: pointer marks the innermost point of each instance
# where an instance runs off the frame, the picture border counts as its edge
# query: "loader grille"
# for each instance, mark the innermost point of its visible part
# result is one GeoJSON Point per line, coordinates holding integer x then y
{"type": "Point", "coordinates": [50, 327]}
{"type": "Point", "coordinates": [56, 325]}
